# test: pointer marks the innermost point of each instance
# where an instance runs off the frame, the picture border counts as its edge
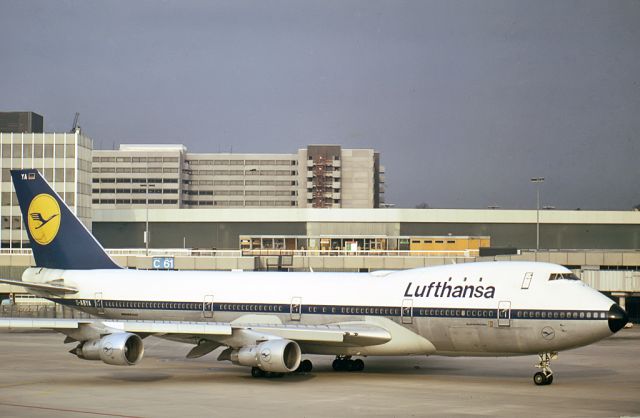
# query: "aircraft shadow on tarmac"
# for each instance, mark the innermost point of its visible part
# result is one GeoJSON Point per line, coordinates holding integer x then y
{"type": "Point", "coordinates": [478, 369]}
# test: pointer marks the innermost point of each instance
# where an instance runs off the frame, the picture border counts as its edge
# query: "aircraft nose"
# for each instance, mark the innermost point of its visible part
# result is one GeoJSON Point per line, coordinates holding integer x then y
{"type": "Point", "coordinates": [618, 318]}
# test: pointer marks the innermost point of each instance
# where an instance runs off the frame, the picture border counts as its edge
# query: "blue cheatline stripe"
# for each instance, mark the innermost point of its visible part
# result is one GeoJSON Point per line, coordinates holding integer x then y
{"type": "Point", "coordinates": [351, 310]}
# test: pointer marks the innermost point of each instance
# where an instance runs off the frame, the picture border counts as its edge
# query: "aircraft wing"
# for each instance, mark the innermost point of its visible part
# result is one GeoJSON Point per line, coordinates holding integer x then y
{"type": "Point", "coordinates": [141, 327]}
{"type": "Point", "coordinates": [49, 288]}
{"type": "Point", "coordinates": [353, 334]}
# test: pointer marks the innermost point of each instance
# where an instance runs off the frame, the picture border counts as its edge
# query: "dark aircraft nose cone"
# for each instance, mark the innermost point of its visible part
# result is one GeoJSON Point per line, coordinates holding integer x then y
{"type": "Point", "coordinates": [618, 318]}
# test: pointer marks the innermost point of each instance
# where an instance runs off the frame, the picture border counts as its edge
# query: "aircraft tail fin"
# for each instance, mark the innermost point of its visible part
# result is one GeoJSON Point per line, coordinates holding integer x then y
{"type": "Point", "coordinates": [58, 239]}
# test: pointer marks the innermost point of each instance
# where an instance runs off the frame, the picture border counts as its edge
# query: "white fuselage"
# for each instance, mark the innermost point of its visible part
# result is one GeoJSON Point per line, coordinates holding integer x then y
{"type": "Point", "coordinates": [499, 308]}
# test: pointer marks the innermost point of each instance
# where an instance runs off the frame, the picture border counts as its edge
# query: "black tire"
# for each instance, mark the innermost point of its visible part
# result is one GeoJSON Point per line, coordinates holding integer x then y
{"type": "Point", "coordinates": [338, 365]}
{"type": "Point", "coordinates": [539, 379]}
{"type": "Point", "coordinates": [257, 372]}
{"type": "Point", "coordinates": [358, 365]}
{"type": "Point", "coordinates": [549, 379]}
{"type": "Point", "coordinates": [305, 366]}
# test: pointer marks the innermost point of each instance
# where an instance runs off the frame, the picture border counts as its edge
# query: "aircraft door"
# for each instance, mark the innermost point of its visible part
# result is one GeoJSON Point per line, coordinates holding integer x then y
{"type": "Point", "coordinates": [99, 303]}
{"type": "Point", "coordinates": [504, 313]}
{"type": "Point", "coordinates": [407, 311]}
{"type": "Point", "coordinates": [207, 307]}
{"type": "Point", "coordinates": [296, 308]}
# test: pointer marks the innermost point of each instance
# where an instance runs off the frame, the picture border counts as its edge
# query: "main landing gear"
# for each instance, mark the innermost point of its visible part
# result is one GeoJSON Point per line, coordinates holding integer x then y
{"type": "Point", "coordinates": [258, 372]}
{"type": "Point", "coordinates": [345, 364]}
{"type": "Point", "coordinates": [305, 367]}
{"type": "Point", "coordinates": [545, 375]}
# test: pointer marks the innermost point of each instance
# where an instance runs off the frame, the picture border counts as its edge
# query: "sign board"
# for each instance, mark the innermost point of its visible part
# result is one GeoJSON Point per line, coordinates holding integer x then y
{"type": "Point", "coordinates": [162, 263]}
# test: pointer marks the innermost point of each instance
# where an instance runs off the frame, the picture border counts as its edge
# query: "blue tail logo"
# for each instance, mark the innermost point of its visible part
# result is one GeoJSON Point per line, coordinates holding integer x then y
{"type": "Point", "coordinates": [58, 239]}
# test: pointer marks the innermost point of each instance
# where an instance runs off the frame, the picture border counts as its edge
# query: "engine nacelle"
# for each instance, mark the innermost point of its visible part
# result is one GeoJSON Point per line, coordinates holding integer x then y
{"type": "Point", "coordinates": [120, 349]}
{"type": "Point", "coordinates": [281, 356]}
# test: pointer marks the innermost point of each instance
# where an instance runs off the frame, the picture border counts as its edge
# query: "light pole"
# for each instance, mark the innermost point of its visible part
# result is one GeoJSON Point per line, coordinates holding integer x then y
{"type": "Point", "coordinates": [537, 181]}
{"type": "Point", "coordinates": [146, 186]}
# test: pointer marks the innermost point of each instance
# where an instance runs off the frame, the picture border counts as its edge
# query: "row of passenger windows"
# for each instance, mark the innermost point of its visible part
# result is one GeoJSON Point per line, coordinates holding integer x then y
{"type": "Point", "coordinates": [471, 313]}
{"type": "Point", "coordinates": [125, 304]}
{"type": "Point", "coordinates": [354, 310]}
{"type": "Point", "coordinates": [559, 315]}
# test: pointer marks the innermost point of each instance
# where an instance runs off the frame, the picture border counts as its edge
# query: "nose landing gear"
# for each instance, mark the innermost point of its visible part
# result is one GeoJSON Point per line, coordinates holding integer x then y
{"type": "Point", "coordinates": [545, 375]}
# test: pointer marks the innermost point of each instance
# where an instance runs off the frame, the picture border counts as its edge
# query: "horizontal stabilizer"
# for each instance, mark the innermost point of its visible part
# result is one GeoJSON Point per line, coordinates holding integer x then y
{"type": "Point", "coordinates": [49, 288]}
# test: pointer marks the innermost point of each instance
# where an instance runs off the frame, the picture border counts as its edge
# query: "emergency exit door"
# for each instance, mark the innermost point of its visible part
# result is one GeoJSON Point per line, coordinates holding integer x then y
{"type": "Point", "coordinates": [407, 311]}
{"type": "Point", "coordinates": [99, 303]}
{"type": "Point", "coordinates": [296, 308]}
{"type": "Point", "coordinates": [504, 313]}
{"type": "Point", "coordinates": [207, 307]}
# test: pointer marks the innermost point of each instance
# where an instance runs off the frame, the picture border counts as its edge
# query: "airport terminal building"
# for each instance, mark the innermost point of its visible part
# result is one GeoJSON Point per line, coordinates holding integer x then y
{"type": "Point", "coordinates": [65, 161]}
{"type": "Point", "coordinates": [168, 176]}
{"type": "Point", "coordinates": [321, 208]}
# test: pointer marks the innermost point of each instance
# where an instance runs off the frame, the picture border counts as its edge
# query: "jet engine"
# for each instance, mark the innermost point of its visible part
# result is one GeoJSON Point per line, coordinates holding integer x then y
{"type": "Point", "coordinates": [280, 356]}
{"type": "Point", "coordinates": [120, 349]}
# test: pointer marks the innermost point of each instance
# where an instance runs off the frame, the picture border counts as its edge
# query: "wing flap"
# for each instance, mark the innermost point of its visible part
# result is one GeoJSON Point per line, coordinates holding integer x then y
{"type": "Point", "coordinates": [171, 327]}
{"type": "Point", "coordinates": [351, 334]}
{"type": "Point", "coordinates": [142, 327]}
{"type": "Point", "coordinates": [38, 323]}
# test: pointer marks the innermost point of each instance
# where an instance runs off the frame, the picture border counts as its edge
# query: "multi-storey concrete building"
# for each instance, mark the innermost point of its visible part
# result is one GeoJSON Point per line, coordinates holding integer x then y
{"type": "Point", "coordinates": [21, 122]}
{"type": "Point", "coordinates": [65, 161]}
{"type": "Point", "coordinates": [321, 176]}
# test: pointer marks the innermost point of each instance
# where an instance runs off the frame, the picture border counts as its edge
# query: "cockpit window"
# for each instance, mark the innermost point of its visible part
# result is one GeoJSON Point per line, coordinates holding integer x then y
{"type": "Point", "coordinates": [563, 276]}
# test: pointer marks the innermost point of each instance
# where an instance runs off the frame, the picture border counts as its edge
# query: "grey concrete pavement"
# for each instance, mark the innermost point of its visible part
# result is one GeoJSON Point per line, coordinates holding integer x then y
{"type": "Point", "coordinates": [40, 379]}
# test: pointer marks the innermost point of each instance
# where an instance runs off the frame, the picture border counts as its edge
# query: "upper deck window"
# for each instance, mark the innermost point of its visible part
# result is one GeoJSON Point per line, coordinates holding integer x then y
{"type": "Point", "coordinates": [563, 276]}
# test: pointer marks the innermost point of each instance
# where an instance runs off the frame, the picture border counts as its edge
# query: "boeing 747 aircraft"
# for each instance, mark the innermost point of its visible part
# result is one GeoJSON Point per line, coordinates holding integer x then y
{"type": "Point", "coordinates": [269, 320]}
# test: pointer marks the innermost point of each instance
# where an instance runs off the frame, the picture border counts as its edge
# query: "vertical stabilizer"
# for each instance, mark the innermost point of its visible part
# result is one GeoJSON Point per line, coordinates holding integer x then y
{"type": "Point", "coordinates": [58, 239]}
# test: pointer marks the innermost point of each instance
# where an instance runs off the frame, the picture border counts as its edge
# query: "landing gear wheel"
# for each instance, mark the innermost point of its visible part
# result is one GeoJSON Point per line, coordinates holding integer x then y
{"type": "Point", "coordinates": [357, 365]}
{"type": "Point", "coordinates": [340, 364]}
{"type": "Point", "coordinates": [257, 372]}
{"type": "Point", "coordinates": [305, 366]}
{"type": "Point", "coordinates": [545, 375]}
{"type": "Point", "coordinates": [539, 379]}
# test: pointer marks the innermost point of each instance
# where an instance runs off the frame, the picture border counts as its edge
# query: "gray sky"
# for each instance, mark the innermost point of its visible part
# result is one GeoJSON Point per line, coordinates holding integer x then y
{"type": "Point", "coordinates": [465, 100]}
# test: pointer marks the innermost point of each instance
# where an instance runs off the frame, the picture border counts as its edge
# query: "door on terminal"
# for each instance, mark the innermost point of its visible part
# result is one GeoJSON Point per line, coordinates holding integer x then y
{"type": "Point", "coordinates": [207, 307]}
{"type": "Point", "coordinates": [504, 313]}
{"type": "Point", "coordinates": [407, 311]}
{"type": "Point", "coordinates": [99, 303]}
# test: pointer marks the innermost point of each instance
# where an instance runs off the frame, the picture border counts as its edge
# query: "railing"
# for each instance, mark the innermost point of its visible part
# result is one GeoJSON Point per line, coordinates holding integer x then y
{"type": "Point", "coordinates": [189, 252]}
{"type": "Point", "coordinates": [363, 253]}
{"type": "Point", "coordinates": [181, 252]}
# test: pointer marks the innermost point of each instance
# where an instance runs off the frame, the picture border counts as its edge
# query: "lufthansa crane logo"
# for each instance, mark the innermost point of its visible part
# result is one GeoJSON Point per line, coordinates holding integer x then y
{"type": "Point", "coordinates": [44, 218]}
{"type": "Point", "coordinates": [548, 333]}
{"type": "Point", "coordinates": [265, 355]}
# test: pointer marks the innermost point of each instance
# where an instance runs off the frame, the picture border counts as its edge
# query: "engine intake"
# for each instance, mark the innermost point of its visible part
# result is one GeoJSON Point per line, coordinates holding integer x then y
{"type": "Point", "coordinates": [281, 356]}
{"type": "Point", "coordinates": [121, 349]}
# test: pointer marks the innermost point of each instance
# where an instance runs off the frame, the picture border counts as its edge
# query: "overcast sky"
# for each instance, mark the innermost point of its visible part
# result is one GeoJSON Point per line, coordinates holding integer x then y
{"type": "Point", "coordinates": [465, 100]}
